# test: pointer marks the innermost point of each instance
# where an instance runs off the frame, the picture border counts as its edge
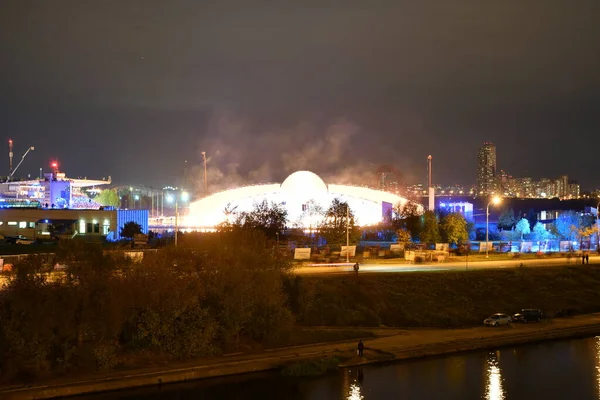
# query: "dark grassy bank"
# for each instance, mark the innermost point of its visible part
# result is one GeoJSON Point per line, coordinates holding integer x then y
{"type": "Point", "coordinates": [442, 299]}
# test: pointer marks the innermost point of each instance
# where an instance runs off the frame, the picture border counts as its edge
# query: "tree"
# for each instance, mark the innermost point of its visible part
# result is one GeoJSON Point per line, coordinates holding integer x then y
{"type": "Point", "coordinates": [567, 225]}
{"type": "Point", "coordinates": [403, 235]}
{"type": "Point", "coordinates": [540, 232]}
{"type": "Point", "coordinates": [333, 227]}
{"type": "Point", "coordinates": [522, 227]}
{"type": "Point", "coordinates": [109, 198]}
{"type": "Point", "coordinates": [312, 215]}
{"type": "Point", "coordinates": [431, 229]}
{"type": "Point", "coordinates": [407, 216]}
{"type": "Point", "coordinates": [130, 229]}
{"type": "Point", "coordinates": [454, 228]}
{"type": "Point", "coordinates": [268, 218]}
{"type": "Point", "coordinates": [531, 217]}
{"type": "Point", "coordinates": [506, 220]}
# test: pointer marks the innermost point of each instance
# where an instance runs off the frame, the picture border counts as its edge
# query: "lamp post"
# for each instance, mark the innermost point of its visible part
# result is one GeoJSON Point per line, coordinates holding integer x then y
{"type": "Point", "coordinates": [495, 200]}
{"type": "Point", "coordinates": [347, 232]}
{"type": "Point", "coordinates": [183, 196]}
{"type": "Point", "coordinates": [205, 177]}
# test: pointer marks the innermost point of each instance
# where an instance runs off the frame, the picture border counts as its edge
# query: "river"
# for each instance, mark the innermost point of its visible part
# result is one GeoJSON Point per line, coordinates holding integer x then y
{"type": "Point", "coordinates": [551, 370]}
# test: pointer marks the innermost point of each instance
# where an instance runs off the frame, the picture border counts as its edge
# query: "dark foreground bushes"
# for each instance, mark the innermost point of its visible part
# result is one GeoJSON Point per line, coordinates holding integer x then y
{"type": "Point", "coordinates": [212, 294]}
{"type": "Point", "coordinates": [441, 299]}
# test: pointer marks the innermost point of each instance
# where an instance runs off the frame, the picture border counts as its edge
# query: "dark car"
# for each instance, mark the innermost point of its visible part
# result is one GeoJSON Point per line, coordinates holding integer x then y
{"type": "Point", "coordinates": [528, 315]}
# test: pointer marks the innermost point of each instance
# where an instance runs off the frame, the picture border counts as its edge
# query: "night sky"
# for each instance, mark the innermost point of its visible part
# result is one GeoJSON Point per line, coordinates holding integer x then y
{"type": "Point", "coordinates": [131, 89]}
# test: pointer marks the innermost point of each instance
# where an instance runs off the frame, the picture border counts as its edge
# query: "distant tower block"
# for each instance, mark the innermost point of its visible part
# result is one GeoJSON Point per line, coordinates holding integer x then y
{"type": "Point", "coordinates": [430, 185]}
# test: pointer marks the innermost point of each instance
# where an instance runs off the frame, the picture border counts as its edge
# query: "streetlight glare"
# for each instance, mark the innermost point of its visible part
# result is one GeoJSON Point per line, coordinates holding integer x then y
{"type": "Point", "coordinates": [497, 200]}
{"type": "Point", "coordinates": [185, 196]}
{"type": "Point", "coordinates": [169, 198]}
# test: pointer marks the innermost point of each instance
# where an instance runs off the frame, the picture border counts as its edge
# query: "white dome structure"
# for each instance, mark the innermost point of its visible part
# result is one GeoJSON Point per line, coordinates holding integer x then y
{"type": "Point", "coordinates": [303, 194]}
{"type": "Point", "coordinates": [303, 184]}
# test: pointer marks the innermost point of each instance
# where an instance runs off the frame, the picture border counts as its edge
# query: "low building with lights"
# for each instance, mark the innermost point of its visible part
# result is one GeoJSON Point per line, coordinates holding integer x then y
{"type": "Point", "coordinates": [40, 223]}
{"type": "Point", "coordinates": [305, 197]}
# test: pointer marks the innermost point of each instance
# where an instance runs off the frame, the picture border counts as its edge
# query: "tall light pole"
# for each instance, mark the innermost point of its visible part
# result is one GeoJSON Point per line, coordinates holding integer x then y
{"type": "Point", "coordinates": [205, 176]}
{"type": "Point", "coordinates": [183, 196]}
{"type": "Point", "coordinates": [347, 232]}
{"type": "Point", "coordinates": [495, 200]}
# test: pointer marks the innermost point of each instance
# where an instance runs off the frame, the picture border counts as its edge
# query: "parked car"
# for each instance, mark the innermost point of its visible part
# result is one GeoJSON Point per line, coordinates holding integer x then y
{"type": "Point", "coordinates": [528, 315]}
{"type": "Point", "coordinates": [497, 320]}
{"type": "Point", "coordinates": [24, 240]}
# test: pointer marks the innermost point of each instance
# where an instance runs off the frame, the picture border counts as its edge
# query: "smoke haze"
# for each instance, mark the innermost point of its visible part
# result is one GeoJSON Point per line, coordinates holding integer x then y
{"type": "Point", "coordinates": [238, 153]}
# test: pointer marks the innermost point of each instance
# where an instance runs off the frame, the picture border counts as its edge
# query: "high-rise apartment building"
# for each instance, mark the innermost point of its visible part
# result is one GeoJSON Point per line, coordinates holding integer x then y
{"type": "Point", "coordinates": [486, 169]}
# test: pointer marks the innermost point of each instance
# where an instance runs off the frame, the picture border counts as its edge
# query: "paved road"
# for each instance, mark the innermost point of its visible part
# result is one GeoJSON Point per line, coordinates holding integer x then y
{"type": "Point", "coordinates": [429, 267]}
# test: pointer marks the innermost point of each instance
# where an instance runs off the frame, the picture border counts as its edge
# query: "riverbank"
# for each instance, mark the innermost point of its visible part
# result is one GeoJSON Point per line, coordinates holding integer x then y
{"type": "Point", "coordinates": [397, 345]}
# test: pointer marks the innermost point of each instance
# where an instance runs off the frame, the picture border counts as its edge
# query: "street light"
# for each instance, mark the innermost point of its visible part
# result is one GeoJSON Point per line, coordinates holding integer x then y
{"type": "Point", "coordinates": [495, 200]}
{"type": "Point", "coordinates": [347, 232]}
{"type": "Point", "coordinates": [205, 176]}
{"type": "Point", "coordinates": [183, 196]}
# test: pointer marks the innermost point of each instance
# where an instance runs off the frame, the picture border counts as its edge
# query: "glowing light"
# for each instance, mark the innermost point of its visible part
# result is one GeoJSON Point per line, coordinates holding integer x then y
{"type": "Point", "coordinates": [301, 194]}
{"type": "Point", "coordinates": [354, 393]}
{"type": "Point", "coordinates": [185, 196]}
{"type": "Point", "coordinates": [496, 200]}
{"type": "Point", "coordinates": [597, 354]}
{"type": "Point", "coordinates": [494, 389]}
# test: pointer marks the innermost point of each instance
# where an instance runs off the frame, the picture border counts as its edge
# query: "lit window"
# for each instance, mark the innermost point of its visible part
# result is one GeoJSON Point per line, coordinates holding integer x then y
{"type": "Point", "coordinates": [12, 223]}
{"type": "Point", "coordinates": [1, 222]}
{"type": "Point", "coordinates": [22, 224]}
{"type": "Point", "coordinates": [82, 226]}
{"type": "Point", "coordinates": [32, 224]}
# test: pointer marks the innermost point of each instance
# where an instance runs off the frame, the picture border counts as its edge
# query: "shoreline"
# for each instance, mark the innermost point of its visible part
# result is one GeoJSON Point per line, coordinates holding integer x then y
{"type": "Point", "coordinates": [400, 345]}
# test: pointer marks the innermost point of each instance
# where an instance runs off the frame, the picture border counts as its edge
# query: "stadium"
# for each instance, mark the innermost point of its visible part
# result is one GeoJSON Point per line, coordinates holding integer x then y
{"type": "Point", "coordinates": [303, 194]}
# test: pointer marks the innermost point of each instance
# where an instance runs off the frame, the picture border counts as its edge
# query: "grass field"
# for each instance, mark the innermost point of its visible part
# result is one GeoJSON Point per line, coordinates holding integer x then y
{"type": "Point", "coordinates": [444, 299]}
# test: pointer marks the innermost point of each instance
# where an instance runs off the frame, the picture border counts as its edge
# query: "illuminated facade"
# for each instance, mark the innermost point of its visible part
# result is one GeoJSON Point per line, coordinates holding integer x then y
{"type": "Point", "coordinates": [486, 169]}
{"type": "Point", "coordinates": [54, 190]}
{"type": "Point", "coordinates": [305, 197]}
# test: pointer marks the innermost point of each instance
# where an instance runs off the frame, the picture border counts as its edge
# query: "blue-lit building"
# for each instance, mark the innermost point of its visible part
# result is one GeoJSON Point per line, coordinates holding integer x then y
{"type": "Point", "coordinates": [463, 207]}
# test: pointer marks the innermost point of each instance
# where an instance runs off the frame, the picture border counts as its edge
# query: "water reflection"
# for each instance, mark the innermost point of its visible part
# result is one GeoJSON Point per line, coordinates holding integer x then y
{"type": "Point", "coordinates": [493, 387]}
{"type": "Point", "coordinates": [355, 385]}
{"type": "Point", "coordinates": [597, 366]}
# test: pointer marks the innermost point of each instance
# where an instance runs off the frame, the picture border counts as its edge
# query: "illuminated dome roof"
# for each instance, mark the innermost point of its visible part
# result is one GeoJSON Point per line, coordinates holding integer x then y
{"type": "Point", "coordinates": [304, 184]}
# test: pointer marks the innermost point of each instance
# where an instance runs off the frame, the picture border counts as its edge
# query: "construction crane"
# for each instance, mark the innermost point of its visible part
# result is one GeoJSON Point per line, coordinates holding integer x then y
{"type": "Point", "coordinates": [19, 164]}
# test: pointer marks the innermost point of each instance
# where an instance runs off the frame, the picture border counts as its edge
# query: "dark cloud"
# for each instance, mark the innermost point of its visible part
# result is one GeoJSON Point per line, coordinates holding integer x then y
{"type": "Point", "coordinates": [133, 88]}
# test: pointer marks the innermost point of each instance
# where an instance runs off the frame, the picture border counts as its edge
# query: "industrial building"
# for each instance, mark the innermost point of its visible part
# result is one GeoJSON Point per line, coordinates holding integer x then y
{"type": "Point", "coordinates": [41, 223]}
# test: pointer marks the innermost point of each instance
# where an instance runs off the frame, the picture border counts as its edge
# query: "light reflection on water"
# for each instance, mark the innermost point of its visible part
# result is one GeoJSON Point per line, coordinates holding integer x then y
{"type": "Point", "coordinates": [597, 363]}
{"type": "Point", "coordinates": [493, 387]}
{"type": "Point", "coordinates": [554, 370]}
{"type": "Point", "coordinates": [355, 392]}
{"type": "Point", "coordinates": [353, 384]}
